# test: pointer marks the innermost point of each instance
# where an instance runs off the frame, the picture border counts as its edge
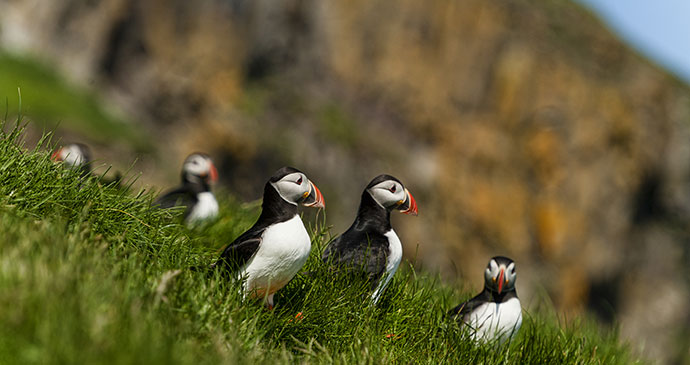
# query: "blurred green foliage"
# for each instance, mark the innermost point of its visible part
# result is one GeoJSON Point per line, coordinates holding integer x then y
{"type": "Point", "coordinates": [338, 126]}
{"type": "Point", "coordinates": [50, 100]}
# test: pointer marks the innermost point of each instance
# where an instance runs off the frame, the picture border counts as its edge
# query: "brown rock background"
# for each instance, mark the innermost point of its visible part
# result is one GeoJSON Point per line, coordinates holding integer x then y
{"type": "Point", "coordinates": [523, 128]}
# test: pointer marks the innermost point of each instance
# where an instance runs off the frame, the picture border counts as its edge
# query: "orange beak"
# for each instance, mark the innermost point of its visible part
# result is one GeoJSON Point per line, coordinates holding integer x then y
{"type": "Point", "coordinates": [56, 155]}
{"type": "Point", "coordinates": [500, 281]}
{"type": "Point", "coordinates": [315, 198]}
{"type": "Point", "coordinates": [213, 173]}
{"type": "Point", "coordinates": [411, 205]}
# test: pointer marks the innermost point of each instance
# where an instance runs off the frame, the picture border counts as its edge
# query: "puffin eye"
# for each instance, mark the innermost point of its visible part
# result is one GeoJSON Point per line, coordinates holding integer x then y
{"type": "Point", "coordinates": [299, 181]}
{"type": "Point", "coordinates": [392, 189]}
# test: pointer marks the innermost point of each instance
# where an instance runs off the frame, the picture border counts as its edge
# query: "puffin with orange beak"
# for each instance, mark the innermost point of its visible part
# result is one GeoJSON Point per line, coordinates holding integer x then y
{"type": "Point", "coordinates": [198, 173]}
{"type": "Point", "coordinates": [268, 255]}
{"type": "Point", "coordinates": [74, 155]}
{"type": "Point", "coordinates": [495, 314]}
{"type": "Point", "coordinates": [370, 244]}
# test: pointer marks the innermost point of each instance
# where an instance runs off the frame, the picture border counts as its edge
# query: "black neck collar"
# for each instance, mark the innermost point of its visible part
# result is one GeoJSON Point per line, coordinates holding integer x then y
{"type": "Point", "coordinates": [493, 296]}
{"type": "Point", "coordinates": [372, 216]}
{"type": "Point", "coordinates": [196, 187]}
{"type": "Point", "coordinates": [274, 208]}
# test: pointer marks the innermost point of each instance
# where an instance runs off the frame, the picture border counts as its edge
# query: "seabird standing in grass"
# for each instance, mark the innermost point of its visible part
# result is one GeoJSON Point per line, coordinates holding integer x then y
{"type": "Point", "coordinates": [370, 245]}
{"type": "Point", "coordinates": [198, 173]}
{"type": "Point", "coordinates": [495, 314]}
{"type": "Point", "coordinates": [268, 255]}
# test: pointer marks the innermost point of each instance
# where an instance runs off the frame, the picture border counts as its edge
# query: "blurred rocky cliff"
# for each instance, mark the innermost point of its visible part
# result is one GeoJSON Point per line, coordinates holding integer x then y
{"type": "Point", "coordinates": [523, 128]}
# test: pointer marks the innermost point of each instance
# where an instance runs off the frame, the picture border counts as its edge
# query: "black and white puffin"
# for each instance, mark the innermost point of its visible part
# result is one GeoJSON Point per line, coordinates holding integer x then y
{"type": "Point", "coordinates": [495, 314]}
{"type": "Point", "coordinates": [198, 173]}
{"type": "Point", "coordinates": [74, 155]}
{"type": "Point", "coordinates": [370, 244]}
{"type": "Point", "coordinates": [268, 255]}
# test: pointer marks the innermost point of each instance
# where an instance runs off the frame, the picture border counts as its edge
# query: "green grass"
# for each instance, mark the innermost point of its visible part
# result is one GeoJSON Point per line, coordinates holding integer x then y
{"type": "Point", "coordinates": [50, 100]}
{"type": "Point", "coordinates": [90, 274]}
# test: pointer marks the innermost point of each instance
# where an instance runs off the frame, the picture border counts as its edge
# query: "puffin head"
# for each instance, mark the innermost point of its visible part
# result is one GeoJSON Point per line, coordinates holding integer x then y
{"type": "Point", "coordinates": [72, 155]}
{"type": "Point", "coordinates": [295, 188]}
{"type": "Point", "coordinates": [390, 193]}
{"type": "Point", "coordinates": [198, 168]}
{"type": "Point", "coordinates": [500, 274]}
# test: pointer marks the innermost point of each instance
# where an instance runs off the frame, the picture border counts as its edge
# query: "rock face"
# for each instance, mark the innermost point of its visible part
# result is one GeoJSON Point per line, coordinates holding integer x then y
{"type": "Point", "coordinates": [522, 127]}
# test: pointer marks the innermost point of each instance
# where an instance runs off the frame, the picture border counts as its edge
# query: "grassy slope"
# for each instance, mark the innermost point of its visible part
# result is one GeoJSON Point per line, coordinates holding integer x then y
{"type": "Point", "coordinates": [90, 275]}
{"type": "Point", "coordinates": [50, 100]}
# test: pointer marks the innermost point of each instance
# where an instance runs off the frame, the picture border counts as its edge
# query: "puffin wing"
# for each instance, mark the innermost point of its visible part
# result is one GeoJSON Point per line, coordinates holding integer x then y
{"type": "Point", "coordinates": [469, 306]}
{"type": "Point", "coordinates": [359, 251]}
{"type": "Point", "coordinates": [241, 250]}
{"type": "Point", "coordinates": [174, 198]}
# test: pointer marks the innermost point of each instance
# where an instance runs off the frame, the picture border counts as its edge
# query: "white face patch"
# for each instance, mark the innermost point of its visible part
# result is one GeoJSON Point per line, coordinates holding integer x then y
{"type": "Point", "coordinates": [197, 165]}
{"type": "Point", "coordinates": [493, 271]}
{"type": "Point", "coordinates": [71, 155]}
{"type": "Point", "coordinates": [511, 275]}
{"type": "Point", "coordinates": [388, 194]}
{"type": "Point", "coordinates": [293, 187]}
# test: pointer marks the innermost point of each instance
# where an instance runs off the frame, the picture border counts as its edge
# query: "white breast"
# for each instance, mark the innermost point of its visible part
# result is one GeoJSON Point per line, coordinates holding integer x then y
{"type": "Point", "coordinates": [283, 251]}
{"type": "Point", "coordinates": [496, 321]}
{"type": "Point", "coordinates": [392, 263]}
{"type": "Point", "coordinates": [205, 208]}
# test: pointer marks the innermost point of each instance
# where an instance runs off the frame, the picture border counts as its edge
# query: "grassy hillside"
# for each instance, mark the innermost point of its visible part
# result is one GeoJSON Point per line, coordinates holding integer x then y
{"type": "Point", "coordinates": [52, 100]}
{"type": "Point", "coordinates": [89, 274]}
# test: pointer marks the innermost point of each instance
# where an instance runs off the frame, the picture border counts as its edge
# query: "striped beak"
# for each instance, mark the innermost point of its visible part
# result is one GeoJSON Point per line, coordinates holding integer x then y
{"type": "Point", "coordinates": [56, 155]}
{"type": "Point", "coordinates": [409, 206]}
{"type": "Point", "coordinates": [315, 198]}
{"type": "Point", "coordinates": [213, 173]}
{"type": "Point", "coordinates": [501, 280]}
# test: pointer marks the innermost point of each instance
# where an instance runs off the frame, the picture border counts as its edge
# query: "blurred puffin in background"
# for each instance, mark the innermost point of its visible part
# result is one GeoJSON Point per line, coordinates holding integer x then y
{"type": "Point", "coordinates": [198, 174]}
{"type": "Point", "coordinates": [270, 253]}
{"type": "Point", "coordinates": [74, 155]}
{"type": "Point", "coordinates": [371, 246]}
{"type": "Point", "coordinates": [78, 156]}
{"type": "Point", "coordinates": [494, 314]}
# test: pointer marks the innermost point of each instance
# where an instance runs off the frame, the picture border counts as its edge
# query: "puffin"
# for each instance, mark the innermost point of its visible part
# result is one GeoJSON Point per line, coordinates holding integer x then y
{"type": "Point", "coordinates": [74, 155]}
{"type": "Point", "coordinates": [270, 253]}
{"type": "Point", "coordinates": [198, 173]}
{"type": "Point", "coordinates": [370, 246]}
{"type": "Point", "coordinates": [494, 314]}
